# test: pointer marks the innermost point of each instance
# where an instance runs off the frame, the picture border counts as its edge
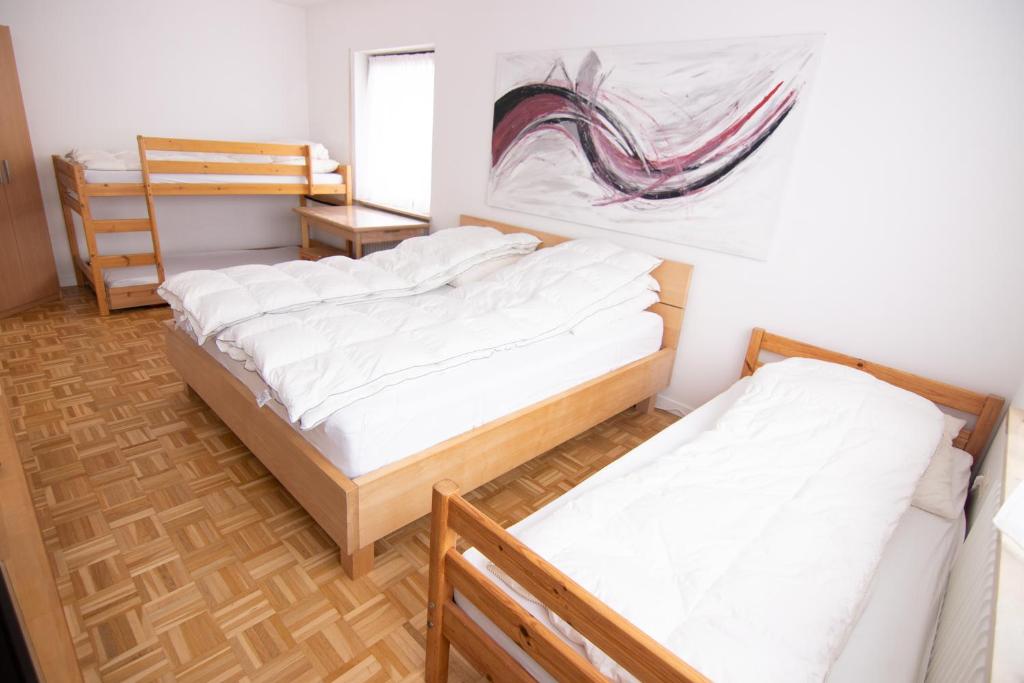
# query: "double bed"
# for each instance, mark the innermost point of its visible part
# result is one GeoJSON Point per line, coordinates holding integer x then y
{"type": "Point", "coordinates": [368, 468]}
{"type": "Point", "coordinates": [495, 602]}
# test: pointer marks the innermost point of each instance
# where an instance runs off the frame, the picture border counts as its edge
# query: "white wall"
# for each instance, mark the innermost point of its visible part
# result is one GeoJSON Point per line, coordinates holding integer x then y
{"type": "Point", "coordinates": [1018, 396]}
{"type": "Point", "coordinates": [902, 233]}
{"type": "Point", "coordinates": [97, 73]}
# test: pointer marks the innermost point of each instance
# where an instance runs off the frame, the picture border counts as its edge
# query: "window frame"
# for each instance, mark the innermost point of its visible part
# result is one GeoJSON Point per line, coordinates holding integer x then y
{"type": "Point", "coordinates": [357, 93]}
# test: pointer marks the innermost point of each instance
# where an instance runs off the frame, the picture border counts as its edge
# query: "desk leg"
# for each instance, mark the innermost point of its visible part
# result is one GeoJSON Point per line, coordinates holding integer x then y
{"type": "Point", "coordinates": [358, 247]}
{"type": "Point", "coordinates": [304, 230]}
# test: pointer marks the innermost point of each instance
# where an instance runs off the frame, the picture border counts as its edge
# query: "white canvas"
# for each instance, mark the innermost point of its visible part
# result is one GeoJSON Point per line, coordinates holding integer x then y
{"type": "Point", "coordinates": [683, 142]}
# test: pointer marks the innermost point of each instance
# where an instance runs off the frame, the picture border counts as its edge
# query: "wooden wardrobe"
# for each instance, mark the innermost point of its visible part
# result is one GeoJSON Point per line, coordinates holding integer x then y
{"type": "Point", "coordinates": [28, 274]}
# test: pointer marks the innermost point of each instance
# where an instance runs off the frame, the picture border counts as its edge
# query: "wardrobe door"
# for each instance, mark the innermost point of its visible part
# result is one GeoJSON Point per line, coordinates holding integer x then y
{"type": "Point", "coordinates": [25, 248]}
{"type": "Point", "coordinates": [12, 291]}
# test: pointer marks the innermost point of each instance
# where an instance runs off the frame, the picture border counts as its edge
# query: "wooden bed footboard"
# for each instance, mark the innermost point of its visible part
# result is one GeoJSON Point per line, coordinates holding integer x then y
{"type": "Point", "coordinates": [357, 512]}
{"type": "Point", "coordinates": [448, 624]}
{"type": "Point", "coordinates": [329, 497]}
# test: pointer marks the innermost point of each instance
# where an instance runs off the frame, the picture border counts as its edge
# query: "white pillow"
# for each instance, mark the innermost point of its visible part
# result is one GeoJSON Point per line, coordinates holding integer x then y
{"type": "Point", "coordinates": [482, 270]}
{"type": "Point", "coordinates": [319, 165]}
{"type": "Point", "coordinates": [602, 319]}
{"type": "Point", "coordinates": [251, 158]}
{"type": "Point", "coordinates": [112, 164]}
{"type": "Point", "coordinates": [951, 427]}
{"type": "Point", "coordinates": [96, 159]}
{"type": "Point", "coordinates": [942, 489]}
{"type": "Point", "coordinates": [462, 248]}
{"type": "Point", "coordinates": [130, 159]}
{"type": "Point", "coordinates": [325, 165]}
{"type": "Point", "coordinates": [318, 151]}
{"type": "Point", "coordinates": [211, 157]}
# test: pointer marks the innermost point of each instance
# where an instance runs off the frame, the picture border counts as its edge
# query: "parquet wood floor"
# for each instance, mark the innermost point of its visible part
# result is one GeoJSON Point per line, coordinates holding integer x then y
{"type": "Point", "coordinates": [177, 556]}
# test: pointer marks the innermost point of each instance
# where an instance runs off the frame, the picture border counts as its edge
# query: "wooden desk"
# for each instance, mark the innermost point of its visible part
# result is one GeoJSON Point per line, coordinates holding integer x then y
{"type": "Point", "coordinates": [358, 225]}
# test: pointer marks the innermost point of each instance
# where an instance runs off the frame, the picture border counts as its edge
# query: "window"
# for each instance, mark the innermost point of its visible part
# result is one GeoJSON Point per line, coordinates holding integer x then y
{"type": "Point", "coordinates": [394, 131]}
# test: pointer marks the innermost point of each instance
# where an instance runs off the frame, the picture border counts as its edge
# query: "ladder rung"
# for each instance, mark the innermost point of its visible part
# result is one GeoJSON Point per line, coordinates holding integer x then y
{"type": "Point", "coordinates": [125, 260]}
{"type": "Point", "coordinates": [122, 225]}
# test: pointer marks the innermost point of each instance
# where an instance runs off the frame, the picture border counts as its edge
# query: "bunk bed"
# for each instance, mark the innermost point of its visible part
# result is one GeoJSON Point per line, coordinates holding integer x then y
{"type": "Point", "coordinates": [180, 167]}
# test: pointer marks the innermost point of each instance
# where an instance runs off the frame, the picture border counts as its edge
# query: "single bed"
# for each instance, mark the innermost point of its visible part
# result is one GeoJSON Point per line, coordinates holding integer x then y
{"type": "Point", "coordinates": [891, 639]}
{"type": "Point", "coordinates": [215, 167]}
{"type": "Point", "coordinates": [361, 478]}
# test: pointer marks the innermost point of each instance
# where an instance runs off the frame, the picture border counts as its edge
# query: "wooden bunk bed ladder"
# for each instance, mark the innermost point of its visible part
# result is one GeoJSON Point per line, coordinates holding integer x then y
{"type": "Point", "coordinates": [70, 184]}
{"type": "Point", "coordinates": [154, 235]}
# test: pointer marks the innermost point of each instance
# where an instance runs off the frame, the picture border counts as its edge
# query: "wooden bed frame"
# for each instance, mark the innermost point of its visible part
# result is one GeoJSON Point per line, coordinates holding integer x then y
{"type": "Point", "coordinates": [75, 195]}
{"type": "Point", "coordinates": [985, 408]}
{"type": "Point", "coordinates": [357, 512]}
{"type": "Point", "coordinates": [453, 518]}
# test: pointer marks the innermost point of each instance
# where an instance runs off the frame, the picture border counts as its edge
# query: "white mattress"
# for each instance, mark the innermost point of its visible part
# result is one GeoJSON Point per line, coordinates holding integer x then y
{"type": "Point", "coordinates": [93, 176]}
{"type": "Point", "coordinates": [203, 260]}
{"type": "Point", "coordinates": [892, 639]}
{"type": "Point", "coordinates": [409, 417]}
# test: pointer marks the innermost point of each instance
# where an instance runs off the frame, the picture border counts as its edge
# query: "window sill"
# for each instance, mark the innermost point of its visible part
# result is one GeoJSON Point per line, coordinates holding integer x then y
{"type": "Point", "coordinates": [391, 209]}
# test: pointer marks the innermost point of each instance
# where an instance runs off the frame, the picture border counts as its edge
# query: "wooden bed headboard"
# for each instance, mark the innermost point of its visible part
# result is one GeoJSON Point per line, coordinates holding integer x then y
{"type": "Point", "coordinates": [986, 409]}
{"type": "Point", "coordinates": [674, 277]}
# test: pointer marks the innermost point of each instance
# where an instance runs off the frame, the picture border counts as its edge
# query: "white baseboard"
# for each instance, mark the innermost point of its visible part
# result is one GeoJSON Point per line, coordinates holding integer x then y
{"type": "Point", "coordinates": [672, 405]}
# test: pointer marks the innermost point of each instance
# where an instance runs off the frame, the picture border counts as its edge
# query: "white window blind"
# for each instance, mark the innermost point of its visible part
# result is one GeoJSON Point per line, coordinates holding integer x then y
{"type": "Point", "coordinates": [394, 133]}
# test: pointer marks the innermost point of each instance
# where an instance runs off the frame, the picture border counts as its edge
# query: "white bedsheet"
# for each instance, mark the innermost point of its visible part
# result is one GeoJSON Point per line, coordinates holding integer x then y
{"type": "Point", "coordinates": [206, 260]}
{"type": "Point", "coordinates": [892, 638]}
{"type": "Point", "coordinates": [417, 414]}
{"type": "Point", "coordinates": [94, 176]}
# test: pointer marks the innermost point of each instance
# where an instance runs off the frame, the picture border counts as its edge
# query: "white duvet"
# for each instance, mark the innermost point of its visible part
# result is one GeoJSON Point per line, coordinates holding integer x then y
{"type": "Point", "coordinates": [321, 359]}
{"type": "Point", "coordinates": [208, 301]}
{"type": "Point", "coordinates": [750, 550]}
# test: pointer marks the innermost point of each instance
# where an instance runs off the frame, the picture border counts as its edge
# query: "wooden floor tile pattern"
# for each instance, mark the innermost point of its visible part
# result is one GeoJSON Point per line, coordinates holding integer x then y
{"type": "Point", "coordinates": [177, 555]}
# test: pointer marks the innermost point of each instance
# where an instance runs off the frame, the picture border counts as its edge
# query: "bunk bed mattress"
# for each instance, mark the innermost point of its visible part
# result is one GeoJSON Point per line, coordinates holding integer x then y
{"type": "Point", "coordinates": [210, 260]}
{"type": "Point", "coordinates": [419, 413]}
{"type": "Point", "coordinates": [893, 636]}
{"type": "Point", "coordinates": [119, 177]}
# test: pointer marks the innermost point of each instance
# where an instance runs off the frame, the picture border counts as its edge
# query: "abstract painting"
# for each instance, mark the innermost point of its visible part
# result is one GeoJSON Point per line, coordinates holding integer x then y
{"type": "Point", "coordinates": [683, 142]}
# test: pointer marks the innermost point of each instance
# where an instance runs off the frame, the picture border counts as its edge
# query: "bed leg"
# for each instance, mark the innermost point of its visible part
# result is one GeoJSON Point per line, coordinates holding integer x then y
{"type": "Point", "coordinates": [358, 564]}
{"type": "Point", "coordinates": [439, 590]}
{"type": "Point", "coordinates": [646, 406]}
